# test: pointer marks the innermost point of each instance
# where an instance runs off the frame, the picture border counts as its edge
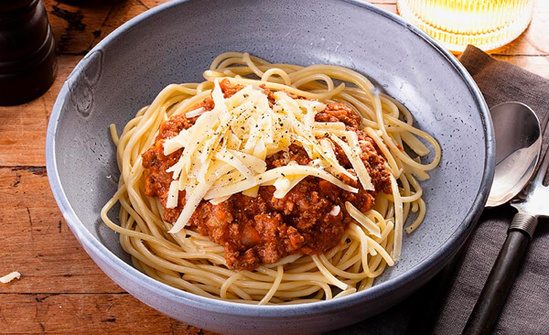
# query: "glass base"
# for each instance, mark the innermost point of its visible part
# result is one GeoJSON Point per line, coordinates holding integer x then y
{"type": "Point", "coordinates": [457, 41]}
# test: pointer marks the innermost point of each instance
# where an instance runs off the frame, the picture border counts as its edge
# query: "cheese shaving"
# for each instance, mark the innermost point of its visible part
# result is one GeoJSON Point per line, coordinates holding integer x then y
{"type": "Point", "coordinates": [173, 194]}
{"type": "Point", "coordinates": [196, 112]}
{"type": "Point", "coordinates": [175, 143]}
{"type": "Point", "coordinates": [284, 185]}
{"type": "Point", "coordinates": [335, 211]}
{"type": "Point", "coordinates": [353, 155]}
{"type": "Point", "coordinates": [9, 277]}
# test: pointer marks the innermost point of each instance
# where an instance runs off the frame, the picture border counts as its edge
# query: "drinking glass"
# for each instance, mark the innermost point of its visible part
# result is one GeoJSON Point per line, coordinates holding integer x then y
{"type": "Point", "coordinates": [487, 24]}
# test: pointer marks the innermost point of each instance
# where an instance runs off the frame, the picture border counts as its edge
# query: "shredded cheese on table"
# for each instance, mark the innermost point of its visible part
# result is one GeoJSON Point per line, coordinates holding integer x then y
{"type": "Point", "coordinates": [224, 152]}
{"type": "Point", "coordinates": [9, 277]}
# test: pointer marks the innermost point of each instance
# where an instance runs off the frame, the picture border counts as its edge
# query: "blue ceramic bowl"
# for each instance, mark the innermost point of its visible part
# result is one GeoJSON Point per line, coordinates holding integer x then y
{"type": "Point", "coordinates": [175, 42]}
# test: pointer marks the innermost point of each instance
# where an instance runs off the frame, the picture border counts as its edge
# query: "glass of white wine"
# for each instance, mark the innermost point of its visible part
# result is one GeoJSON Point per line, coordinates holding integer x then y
{"type": "Point", "coordinates": [487, 24]}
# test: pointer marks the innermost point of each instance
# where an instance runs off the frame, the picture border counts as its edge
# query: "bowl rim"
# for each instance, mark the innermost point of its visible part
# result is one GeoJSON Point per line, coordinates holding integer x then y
{"type": "Point", "coordinates": [416, 276]}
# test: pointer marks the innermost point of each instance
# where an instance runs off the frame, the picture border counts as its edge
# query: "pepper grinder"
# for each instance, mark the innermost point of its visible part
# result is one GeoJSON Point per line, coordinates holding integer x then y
{"type": "Point", "coordinates": [27, 51]}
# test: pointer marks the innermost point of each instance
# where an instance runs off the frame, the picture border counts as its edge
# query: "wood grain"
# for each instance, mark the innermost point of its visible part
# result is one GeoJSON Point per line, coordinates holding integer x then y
{"type": "Point", "coordinates": [61, 290]}
{"type": "Point", "coordinates": [536, 64]}
{"type": "Point", "coordinates": [84, 313]}
{"type": "Point", "coordinates": [23, 128]}
{"type": "Point", "coordinates": [36, 241]}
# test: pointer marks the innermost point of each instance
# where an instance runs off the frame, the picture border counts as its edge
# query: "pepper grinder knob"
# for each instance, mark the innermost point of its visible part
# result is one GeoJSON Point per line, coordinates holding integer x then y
{"type": "Point", "coordinates": [27, 51]}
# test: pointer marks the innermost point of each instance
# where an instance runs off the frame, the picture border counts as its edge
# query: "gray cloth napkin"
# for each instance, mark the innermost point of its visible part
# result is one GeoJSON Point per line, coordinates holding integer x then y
{"type": "Point", "coordinates": [527, 308]}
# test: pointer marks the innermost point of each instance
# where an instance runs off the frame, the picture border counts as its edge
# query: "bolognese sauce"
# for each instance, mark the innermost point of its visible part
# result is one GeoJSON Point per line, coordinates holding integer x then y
{"type": "Point", "coordinates": [310, 219]}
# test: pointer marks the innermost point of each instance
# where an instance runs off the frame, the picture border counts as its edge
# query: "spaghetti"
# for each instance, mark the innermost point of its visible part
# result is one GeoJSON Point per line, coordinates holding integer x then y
{"type": "Point", "coordinates": [226, 150]}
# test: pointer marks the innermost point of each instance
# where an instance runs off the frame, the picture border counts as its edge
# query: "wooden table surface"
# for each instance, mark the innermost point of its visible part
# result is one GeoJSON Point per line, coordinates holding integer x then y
{"type": "Point", "coordinates": [61, 290]}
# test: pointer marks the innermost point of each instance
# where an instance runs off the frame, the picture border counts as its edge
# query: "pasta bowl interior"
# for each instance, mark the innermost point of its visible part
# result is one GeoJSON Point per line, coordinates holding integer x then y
{"type": "Point", "coordinates": [277, 124]}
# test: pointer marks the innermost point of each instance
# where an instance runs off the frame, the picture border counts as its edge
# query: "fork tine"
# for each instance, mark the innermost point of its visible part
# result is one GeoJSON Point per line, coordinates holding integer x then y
{"type": "Point", "coordinates": [542, 169]}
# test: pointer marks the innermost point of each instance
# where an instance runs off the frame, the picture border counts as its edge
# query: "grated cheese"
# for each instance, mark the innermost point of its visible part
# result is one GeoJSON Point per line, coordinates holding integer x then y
{"type": "Point", "coordinates": [353, 155]}
{"type": "Point", "coordinates": [284, 185]}
{"type": "Point", "coordinates": [225, 151]}
{"type": "Point", "coordinates": [173, 194]}
{"type": "Point", "coordinates": [196, 112]}
{"type": "Point", "coordinates": [335, 211]}
{"type": "Point", "coordinates": [9, 277]}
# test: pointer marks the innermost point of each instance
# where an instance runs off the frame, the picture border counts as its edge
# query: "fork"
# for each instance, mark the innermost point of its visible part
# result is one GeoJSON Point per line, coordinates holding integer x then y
{"type": "Point", "coordinates": [533, 204]}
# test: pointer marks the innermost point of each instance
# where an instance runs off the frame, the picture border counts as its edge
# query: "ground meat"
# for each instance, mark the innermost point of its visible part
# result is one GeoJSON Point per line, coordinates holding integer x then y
{"type": "Point", "coordinates": [207, 104]}
{"type": "Point", "coordinates": [262, 230]}
{"type": "Point", "coordinates": [339, 112]}
{"type": "Point", "coordinates": [155, 163]}
{"type": "Point", "coordinates": [229, 89]}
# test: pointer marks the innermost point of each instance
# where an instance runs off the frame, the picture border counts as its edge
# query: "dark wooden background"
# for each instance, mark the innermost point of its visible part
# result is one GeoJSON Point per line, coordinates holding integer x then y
{"type": "Point", "coordinates": [61, 290]}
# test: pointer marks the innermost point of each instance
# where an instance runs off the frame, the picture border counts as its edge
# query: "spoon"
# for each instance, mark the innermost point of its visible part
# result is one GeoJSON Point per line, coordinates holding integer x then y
{"type": "Point", "coordinates": [518, 147]}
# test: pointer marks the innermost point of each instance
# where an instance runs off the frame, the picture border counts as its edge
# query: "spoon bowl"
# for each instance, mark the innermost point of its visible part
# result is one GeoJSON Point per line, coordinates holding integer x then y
{"type": "Point", "coordinates": [518, 147]}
